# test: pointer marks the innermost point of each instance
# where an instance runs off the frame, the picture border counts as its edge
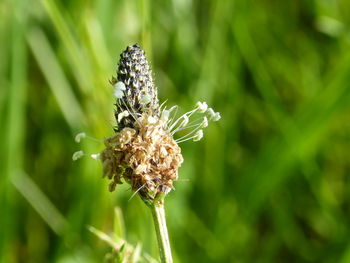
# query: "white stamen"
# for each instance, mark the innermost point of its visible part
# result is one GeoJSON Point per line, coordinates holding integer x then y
{"type": "Point", "coordinates": [165, 115]}
{"type": "Point", "coordinates": [132, 113]}
{"type": "Point", "coordinates": [185, 118]}
{"type": "Point", "coordinates": [191, 124]}
{"type": "Point", "coordinates": [119, 87]}
{"type": "Point", "coordinates": [175, 107]}
{"type": "Point", "coordinates": [162, 105]}
{"type": "Point", "coordinates": [122, 115]}
{"type": "Point", "coordinates": [188, 136]}
{"type": "Point", "coordinates": [96, 156]}
{"type": "Point", "coordinates": [77, 155]}
{"type": "Point", "coordinates": [198, 136]}
{"type": "Point", "coordinates": [204, 123]}
{"type": "Point", "coordinates": [202, 106]}
{"type": "Point", "coordinates": [79, 136]}
{"type": "Point", "coordinates": [217, 116]}
{"type": "Point", "coordinates": [146, 99]}
{"type": "Point", "coordinates": [151, 120]}
{"type": "Point", "coordinates": [172, 108]}
{"type": "Point", "coordinates": [211, 113]}
{"type": "Point", "coordinates": [184, 122]}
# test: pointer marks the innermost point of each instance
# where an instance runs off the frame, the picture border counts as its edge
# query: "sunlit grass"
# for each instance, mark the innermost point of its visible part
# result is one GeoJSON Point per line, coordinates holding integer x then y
{"type": "Point", "coordinates": [268, 184]}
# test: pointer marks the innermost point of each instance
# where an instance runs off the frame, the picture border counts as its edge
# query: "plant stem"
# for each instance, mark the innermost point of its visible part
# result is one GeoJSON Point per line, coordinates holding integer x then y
{"type": "Point", "coordinates": [158, 214]}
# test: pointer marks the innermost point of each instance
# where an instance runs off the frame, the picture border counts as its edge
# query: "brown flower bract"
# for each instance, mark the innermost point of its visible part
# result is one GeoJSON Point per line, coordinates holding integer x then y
{"type": "Point", "coordinates": [146, 156]}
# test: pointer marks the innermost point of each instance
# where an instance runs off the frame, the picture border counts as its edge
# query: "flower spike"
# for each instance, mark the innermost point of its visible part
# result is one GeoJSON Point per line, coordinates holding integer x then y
{"type": "Point", "coordinates": [134, 87]}
{"type": "Point", "coordinates": [143, 152]}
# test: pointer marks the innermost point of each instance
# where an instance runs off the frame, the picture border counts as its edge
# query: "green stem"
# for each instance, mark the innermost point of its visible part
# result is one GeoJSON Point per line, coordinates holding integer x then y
{"type": "Point", "coordinates": [158, 214]}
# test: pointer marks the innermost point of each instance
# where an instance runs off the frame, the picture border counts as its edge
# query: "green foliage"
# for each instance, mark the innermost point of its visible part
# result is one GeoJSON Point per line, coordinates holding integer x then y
{"type": "Point", "coordinates": [122, 252]}
{"type": "Point", "coordinates": [268, 183]}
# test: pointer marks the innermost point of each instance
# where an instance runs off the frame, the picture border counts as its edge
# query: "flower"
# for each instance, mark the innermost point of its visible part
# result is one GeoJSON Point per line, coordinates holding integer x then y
{"type": "Point", "coordinates": [143, 152]}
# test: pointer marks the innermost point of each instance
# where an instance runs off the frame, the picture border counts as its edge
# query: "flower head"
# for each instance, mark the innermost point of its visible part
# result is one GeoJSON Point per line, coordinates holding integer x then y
{"type": "Point", "coordinates": [144, 152]}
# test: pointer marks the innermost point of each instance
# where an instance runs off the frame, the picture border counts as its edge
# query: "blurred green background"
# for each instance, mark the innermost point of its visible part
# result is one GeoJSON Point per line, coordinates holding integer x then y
{"type": "Point", "coordinates": [268, 183]}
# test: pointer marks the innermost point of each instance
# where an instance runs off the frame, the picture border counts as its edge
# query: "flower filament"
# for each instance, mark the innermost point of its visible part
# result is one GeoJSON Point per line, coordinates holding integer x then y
{"type": "Point", "coordinates": [194, 127]}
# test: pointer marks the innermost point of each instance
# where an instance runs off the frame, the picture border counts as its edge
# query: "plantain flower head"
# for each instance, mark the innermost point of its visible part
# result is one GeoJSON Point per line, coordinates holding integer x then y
{"type": "Point", "coordinates": [144, 151]}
